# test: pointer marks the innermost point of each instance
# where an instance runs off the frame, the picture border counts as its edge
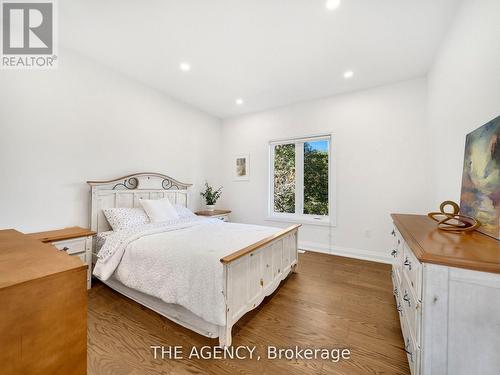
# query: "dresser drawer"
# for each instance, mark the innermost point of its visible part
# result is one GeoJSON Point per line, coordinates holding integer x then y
{"type": "Point", "coordinates": [71, 246]}
{"type": "Point", "coordinates": [411, 348]}
{"type": "Point", "coordinates": [397, 249]}
{"type": "Point", "coordinates": [396, 281]}
{"type": "Point", "coordinates": [412, 309]}
{"type": "Point", "coordinates": [412, 270]}
{"type": "Point", "coordinates": [397, 295]}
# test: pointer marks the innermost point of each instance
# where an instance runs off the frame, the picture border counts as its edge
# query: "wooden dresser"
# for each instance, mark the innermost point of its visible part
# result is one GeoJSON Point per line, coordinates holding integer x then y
{"type": "Point", "coordinates": [43, 313]}
{"type": "Point", "coordinates": [447, 289]}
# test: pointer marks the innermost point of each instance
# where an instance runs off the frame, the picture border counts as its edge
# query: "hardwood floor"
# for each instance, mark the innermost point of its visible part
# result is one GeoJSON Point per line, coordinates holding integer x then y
{"type": "Point", "coordinates": [331, 302]}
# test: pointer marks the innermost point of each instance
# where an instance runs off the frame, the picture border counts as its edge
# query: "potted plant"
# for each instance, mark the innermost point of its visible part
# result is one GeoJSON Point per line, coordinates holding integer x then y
{"type": "Point", "coordinates": [211, 196]}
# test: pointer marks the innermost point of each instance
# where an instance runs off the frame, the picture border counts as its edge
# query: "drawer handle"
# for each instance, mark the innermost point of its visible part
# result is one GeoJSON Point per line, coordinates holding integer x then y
{"type": "Point", "coordinates": [394, 253]}
{"type": "Point", "coordinates": [407, 263]}
{"type": "Point", "coordinates": [65, 248]}
{"type": "Point", "coordinates": [400, 310]}
{"type": "Point", "coordinates": [399, 242]}
{"type": "Point", "coordinates": [407, 299]}
{"type": "Point", "coordinates": [393, 233]}
{"type": "Point", "coordinates": [396, 292]}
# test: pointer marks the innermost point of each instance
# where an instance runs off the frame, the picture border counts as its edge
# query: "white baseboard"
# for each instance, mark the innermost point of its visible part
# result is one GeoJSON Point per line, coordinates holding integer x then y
{"type": "Point", "coordinates": [374, 256]}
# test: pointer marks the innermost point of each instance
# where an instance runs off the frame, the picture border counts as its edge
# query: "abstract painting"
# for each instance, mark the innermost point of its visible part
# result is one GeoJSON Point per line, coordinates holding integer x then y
{"type": "Point", "coordinates": [480, 196]}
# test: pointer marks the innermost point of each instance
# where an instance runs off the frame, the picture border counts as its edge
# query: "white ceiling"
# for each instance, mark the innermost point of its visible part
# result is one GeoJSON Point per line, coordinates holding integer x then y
{"type": "Point", "coordinates": [268, 52]}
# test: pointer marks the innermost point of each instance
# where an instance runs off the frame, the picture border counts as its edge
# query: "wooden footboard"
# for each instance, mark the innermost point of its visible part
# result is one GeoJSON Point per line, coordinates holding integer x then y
{"type": "Point", "coordinates": [255, 272]}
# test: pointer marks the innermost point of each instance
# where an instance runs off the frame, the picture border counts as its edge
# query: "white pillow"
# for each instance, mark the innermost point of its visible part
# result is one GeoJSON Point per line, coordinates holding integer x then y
{"type": "Point", "coordinates": [125, 218]}
{"type": "Point", "coordinates": [159, 210]}
{"type": "Point", "coordinates": [183, 212]}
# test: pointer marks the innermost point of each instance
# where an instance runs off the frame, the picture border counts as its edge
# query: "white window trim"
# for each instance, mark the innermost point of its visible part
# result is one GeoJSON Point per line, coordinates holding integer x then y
{"type": "Point", "coordinates": [331, 219]}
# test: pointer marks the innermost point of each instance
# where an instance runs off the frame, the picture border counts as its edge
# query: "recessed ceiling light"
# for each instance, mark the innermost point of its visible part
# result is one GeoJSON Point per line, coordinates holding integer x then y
{"type": "Point", "coordinates": [185, 67]}
{"type": "Point", "coordinates": [239, 101]}
{"type": "Point", "coordinates": [332, 4]}
{"type": "Point", "coordinates": [348, 74]}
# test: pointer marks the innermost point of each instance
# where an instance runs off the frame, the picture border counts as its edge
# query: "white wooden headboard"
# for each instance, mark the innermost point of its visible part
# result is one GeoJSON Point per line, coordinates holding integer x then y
{"type": "Point", "coordinates": [126, 192]}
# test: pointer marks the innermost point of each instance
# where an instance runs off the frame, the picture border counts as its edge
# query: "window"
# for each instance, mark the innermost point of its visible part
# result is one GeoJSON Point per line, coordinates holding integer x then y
{"type": "Point", "coordinates": [300, 183]}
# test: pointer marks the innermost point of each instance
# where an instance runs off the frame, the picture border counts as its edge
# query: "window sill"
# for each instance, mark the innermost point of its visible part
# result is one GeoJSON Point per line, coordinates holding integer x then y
{"type": "Point", "coordinates": [301, 220]}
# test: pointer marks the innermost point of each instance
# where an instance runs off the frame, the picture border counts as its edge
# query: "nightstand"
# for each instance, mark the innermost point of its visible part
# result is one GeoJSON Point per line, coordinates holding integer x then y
{"type": "Point", "coordinates": [215, 214]}
{"type": "Point", "coordinates": [76, 241]}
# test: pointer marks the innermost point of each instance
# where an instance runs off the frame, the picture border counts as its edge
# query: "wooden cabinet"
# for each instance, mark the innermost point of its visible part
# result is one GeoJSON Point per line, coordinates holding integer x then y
{"type": "Point", "coordinates": [43, 314]}
{"type": "Point", "coordinates": [449, 308]}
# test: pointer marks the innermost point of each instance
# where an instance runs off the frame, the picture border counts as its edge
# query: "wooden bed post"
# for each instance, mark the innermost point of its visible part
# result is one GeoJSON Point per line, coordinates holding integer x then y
{"type": "Point", "coordinates": [225, 338]}
{"type": "Point", "coordinates": [295, 267]}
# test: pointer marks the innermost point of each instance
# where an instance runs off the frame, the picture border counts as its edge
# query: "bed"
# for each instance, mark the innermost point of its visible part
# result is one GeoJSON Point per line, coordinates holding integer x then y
{"type": "Point", "coordinates": [203, 274]}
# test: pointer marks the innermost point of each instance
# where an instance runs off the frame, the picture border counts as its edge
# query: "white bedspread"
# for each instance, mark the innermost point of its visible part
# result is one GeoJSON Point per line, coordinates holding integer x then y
{"type": "Point", "coordinates": [178, 262]}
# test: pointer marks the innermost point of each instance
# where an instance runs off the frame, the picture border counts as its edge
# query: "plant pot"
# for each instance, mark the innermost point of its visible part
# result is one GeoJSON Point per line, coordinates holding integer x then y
{"type": "Point", "coordinates": [210, 207]}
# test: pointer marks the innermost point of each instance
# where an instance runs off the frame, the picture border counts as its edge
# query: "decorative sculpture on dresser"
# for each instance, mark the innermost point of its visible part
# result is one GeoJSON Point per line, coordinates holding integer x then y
{"type": "Point", "coordinates": [453, 221]}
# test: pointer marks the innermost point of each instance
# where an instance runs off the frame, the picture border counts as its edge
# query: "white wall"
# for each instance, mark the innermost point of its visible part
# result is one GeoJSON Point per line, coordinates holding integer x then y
{"type": "Point", "coordinates": [82, 122]}
{"type": "Point", "coordinates": [380, 147]}
{"type": "Point", "coordinates": [464, 90]}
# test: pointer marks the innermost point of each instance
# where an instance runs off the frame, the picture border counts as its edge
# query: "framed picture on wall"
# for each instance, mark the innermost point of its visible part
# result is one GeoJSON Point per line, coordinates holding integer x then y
{"type": "Point", "coordinates": [241, 167]}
